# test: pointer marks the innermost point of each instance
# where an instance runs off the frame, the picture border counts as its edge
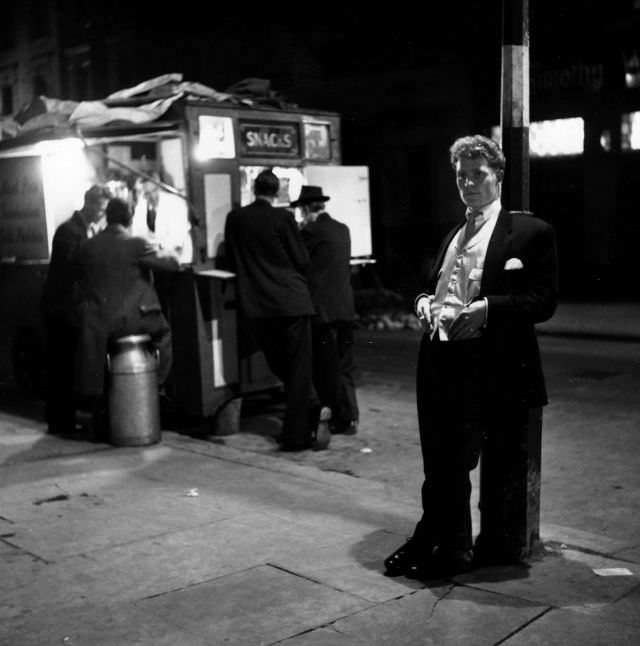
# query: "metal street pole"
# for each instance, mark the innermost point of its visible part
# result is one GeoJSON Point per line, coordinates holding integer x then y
{"type": "Point", "coordinates": [523, 498]}
{"type": "Point", "coordinates": [514, 118]}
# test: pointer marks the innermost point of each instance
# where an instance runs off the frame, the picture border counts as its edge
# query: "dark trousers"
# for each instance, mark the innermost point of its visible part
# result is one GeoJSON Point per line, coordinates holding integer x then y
{"type": "Point", "coordinates": [333, 366]}
{"type": "Point", "coordinates": [287, 347]}
{"type": "Point", "coordinates": [456, 425]}
{"type": "Point", "coordinates": [60, 410]}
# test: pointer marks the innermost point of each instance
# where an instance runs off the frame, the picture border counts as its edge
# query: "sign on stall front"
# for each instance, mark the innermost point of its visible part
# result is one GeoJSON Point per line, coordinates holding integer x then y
{"type": "Point", "coordinates": [269, 139]}
{"type": "Point", "coordinates": [23, 230]}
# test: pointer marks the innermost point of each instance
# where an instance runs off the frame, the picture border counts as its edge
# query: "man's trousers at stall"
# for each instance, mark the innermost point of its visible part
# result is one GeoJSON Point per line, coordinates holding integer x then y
{"type": "Point", "coordinates": [287, 347]}
{"type": "Point", "coordinates": [333, 368]}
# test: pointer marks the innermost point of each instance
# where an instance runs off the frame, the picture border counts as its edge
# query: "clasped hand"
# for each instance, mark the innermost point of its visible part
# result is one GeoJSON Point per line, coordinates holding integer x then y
{"type": "Point", "coordinates": [468, 322]}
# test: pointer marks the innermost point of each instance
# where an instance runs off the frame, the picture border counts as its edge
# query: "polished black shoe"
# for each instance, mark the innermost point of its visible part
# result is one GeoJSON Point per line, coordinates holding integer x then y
{"type": "Point", "coordinates": [407, 558]}
{"type": "Point", "coordinates": [443, 564]}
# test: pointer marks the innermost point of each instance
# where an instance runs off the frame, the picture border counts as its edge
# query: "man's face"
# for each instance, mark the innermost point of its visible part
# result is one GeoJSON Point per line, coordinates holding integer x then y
{"type": "Point", "coordinates": [96, 209]}
{"type": "Point", "coordinates": [478, 183]}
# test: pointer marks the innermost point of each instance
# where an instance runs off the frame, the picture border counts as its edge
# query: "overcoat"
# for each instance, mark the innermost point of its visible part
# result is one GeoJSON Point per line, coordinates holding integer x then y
{"type": "Point", "coordinates": [264, 248]}
{"type": "Point", "coordinates": [329, 245]}
{"type": "Point", "coordinates": [117, 298]}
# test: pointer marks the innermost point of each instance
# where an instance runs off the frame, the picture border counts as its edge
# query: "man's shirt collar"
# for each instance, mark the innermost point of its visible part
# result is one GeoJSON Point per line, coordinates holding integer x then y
{"type": "Point", "coordinates": [488, 212]}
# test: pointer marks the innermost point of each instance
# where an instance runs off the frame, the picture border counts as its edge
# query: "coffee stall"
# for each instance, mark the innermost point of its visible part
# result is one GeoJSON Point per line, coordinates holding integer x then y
{"type": "Point", "coordinates": [202, 153]}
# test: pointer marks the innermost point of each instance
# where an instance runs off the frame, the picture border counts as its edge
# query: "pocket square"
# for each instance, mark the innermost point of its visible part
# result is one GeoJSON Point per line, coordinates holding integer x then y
{"type": "Point", "coordinates": [513, 263]}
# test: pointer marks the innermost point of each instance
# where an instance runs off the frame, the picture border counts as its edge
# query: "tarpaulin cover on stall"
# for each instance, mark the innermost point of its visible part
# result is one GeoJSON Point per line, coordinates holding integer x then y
{"type": "Point", "coordinates": [139, 104]}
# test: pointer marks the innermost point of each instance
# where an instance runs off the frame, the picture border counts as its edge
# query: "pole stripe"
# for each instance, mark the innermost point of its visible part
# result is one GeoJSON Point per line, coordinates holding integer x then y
{"type": "Point", "coordinates": [515, 86]}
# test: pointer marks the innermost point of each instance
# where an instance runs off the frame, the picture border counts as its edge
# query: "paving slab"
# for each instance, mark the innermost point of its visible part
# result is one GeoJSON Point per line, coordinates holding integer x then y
{"type": "Point", "coordinates": [353, 566]}
{"type": "Point", "coordinates": [122, 624]}
{"type": "Point", "coordinates": [563, 579]}
{"type": "Point", "coordinates": [440, 616]}
{"type": "Point", "coordinates": [256, 607]}
{"type": "Point", "coordinates": [623, 611]}
{"type": "Point", "coordinates": [572, 537]}
{"type": "Point", "coordinates": [325, 637]}
{"type": "Point", "coordinates": [566, 628]}
{"type": "Point", "coordinates": [155, 565]}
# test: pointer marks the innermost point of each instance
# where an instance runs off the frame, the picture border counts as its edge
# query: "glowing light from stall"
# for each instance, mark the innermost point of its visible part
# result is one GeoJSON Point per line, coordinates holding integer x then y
{"type": "Point", "coordinates": [66, 175]}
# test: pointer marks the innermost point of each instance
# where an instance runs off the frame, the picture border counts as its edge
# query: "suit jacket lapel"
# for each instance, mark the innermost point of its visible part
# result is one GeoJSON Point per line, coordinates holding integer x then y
{"type": "Point", "coordinates": [497, 250]}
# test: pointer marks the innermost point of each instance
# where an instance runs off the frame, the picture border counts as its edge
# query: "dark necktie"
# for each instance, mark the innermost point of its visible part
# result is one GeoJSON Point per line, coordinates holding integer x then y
{"type": "Point", "coordinates": [473, 224]}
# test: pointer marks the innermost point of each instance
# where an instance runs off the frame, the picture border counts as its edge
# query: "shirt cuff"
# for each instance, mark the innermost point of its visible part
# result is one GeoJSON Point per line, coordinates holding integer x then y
{"type": "Point", "coordinates": [486, 311]}
{"type": "Point", "coordinates": [417, 299]}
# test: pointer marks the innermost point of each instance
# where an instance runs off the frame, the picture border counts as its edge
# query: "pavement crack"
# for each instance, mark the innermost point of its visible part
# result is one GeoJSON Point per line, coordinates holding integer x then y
{"type": "Point", "coordinates": [519, 629]}
{"type": "Point", "coordinates": [316, 581]}
{"type": "Point", "coordinates": [439, 599]}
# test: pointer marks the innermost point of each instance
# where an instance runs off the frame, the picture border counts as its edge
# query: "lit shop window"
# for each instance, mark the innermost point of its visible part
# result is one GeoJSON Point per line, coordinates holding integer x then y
{"type": "Point", "coordinates": [630, 131]}
{"type": "Point", "coordinates": [552, 138]}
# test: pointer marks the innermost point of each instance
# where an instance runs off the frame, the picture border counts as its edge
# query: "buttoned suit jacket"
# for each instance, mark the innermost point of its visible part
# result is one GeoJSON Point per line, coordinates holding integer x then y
{"type": "Point", "coordinates": [329, 245]}
{"type": "Point", "coordinates": [517, 299]}
{"type": "Point", "coordinates": [264, 248]}
{"type": "Point", "coordinates": [117, 298]}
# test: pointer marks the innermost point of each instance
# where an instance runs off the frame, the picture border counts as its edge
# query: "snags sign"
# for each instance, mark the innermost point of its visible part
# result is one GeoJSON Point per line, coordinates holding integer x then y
{"type": "Point", "coordinates": [269, 139]}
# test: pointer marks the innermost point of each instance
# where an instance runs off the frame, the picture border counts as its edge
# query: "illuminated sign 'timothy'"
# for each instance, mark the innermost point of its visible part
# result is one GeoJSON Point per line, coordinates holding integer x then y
{"type": "Point", "coordinates": [269, 140]}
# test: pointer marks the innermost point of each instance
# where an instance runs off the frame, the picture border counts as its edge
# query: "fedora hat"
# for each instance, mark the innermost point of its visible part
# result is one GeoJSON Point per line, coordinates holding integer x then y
{"type": "Point", "coordinates": [310, 194]}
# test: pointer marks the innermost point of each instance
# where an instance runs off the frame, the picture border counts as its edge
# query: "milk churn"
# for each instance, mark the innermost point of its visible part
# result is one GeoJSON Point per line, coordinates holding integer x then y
{"type": "Point", "coordinates": [133, 400]}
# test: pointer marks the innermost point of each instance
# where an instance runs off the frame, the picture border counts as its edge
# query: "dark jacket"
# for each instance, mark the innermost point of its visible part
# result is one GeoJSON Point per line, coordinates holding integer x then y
{"type": "Point", "coordinates": [517, 300]}
{"type": "Point", "coordinates": [264, 248]}
{"type": "Point", "coordinates": [329, 245]}
{"type": "Point", "coordinates": [59, 299]}
{"type": "Point", "coordinates": [117, 297]}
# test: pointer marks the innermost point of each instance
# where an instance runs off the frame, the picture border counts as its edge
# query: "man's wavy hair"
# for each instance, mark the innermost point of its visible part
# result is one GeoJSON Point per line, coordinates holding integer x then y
{"type": "Point", "coordinates": [475, 146]}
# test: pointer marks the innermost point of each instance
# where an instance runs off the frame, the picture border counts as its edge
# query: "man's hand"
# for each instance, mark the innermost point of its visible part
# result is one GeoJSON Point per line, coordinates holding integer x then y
{"type": "Point", "coordinates": [423, 312]}
{"type": "Point", "coordinates": [468, 323]}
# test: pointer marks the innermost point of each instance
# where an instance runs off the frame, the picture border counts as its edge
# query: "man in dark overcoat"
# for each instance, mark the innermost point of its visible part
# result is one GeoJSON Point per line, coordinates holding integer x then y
{"type": "Point", "coordinates": [264, 248]}
{"type": "Point", "coordinates": [480, 383]}
{"type": "Point", "coordinates": [328, 242]}
{"type": "Point", "coordinates": [59, 309]}
{"type": "Point", "coordinates": [118, 298]}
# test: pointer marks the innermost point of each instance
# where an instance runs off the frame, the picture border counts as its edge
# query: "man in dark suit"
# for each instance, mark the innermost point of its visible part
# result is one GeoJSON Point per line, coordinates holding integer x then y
{"type": "Point", "coordinates": [118, 298]}
{"type": "Point", "coordinates": [479, 377]}
{"type": "Point", "coordinates": [59, 309]}
{"type": "Point", "coordinates": [264, 248]}
{"type": "Point", "coordinates": [329, 245]}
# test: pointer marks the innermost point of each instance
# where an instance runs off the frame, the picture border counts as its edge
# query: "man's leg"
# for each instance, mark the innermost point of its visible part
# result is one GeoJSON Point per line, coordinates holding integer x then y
{"type": "Point", "coordinates": [346, 412]}
{"type": "Point", "coordinates": [287, 346]}
{"type": "Point", "coordinates": [60, 362]}
{"type": "Point", "coordinates": [449, 409]}
{"type": "Point", "coordinates": [325, 364]}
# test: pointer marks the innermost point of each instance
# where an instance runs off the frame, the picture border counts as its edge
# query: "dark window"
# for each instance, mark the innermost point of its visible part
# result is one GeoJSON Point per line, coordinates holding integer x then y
{"type": "Point", "coordinates": [8, 29]}
{"type": "Point", "coordinates": [7, 100]}
{"type": "Point", "coordinates": [40, 85]}
{"type": "Point", "coordinates": [39, 25]}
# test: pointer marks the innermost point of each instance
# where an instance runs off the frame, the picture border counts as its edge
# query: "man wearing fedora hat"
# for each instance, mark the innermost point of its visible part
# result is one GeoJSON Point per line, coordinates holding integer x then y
{"type": "Point", "coordinates": [264, 248]}
{"type": "Point", "coordinates": [329, 245]}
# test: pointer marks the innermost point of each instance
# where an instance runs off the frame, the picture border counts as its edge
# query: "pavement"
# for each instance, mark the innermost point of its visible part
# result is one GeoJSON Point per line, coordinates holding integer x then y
{"type": "Point", "coordinates": [605, 320]}
{"type": "Point", "coordinates": [189, 542]}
